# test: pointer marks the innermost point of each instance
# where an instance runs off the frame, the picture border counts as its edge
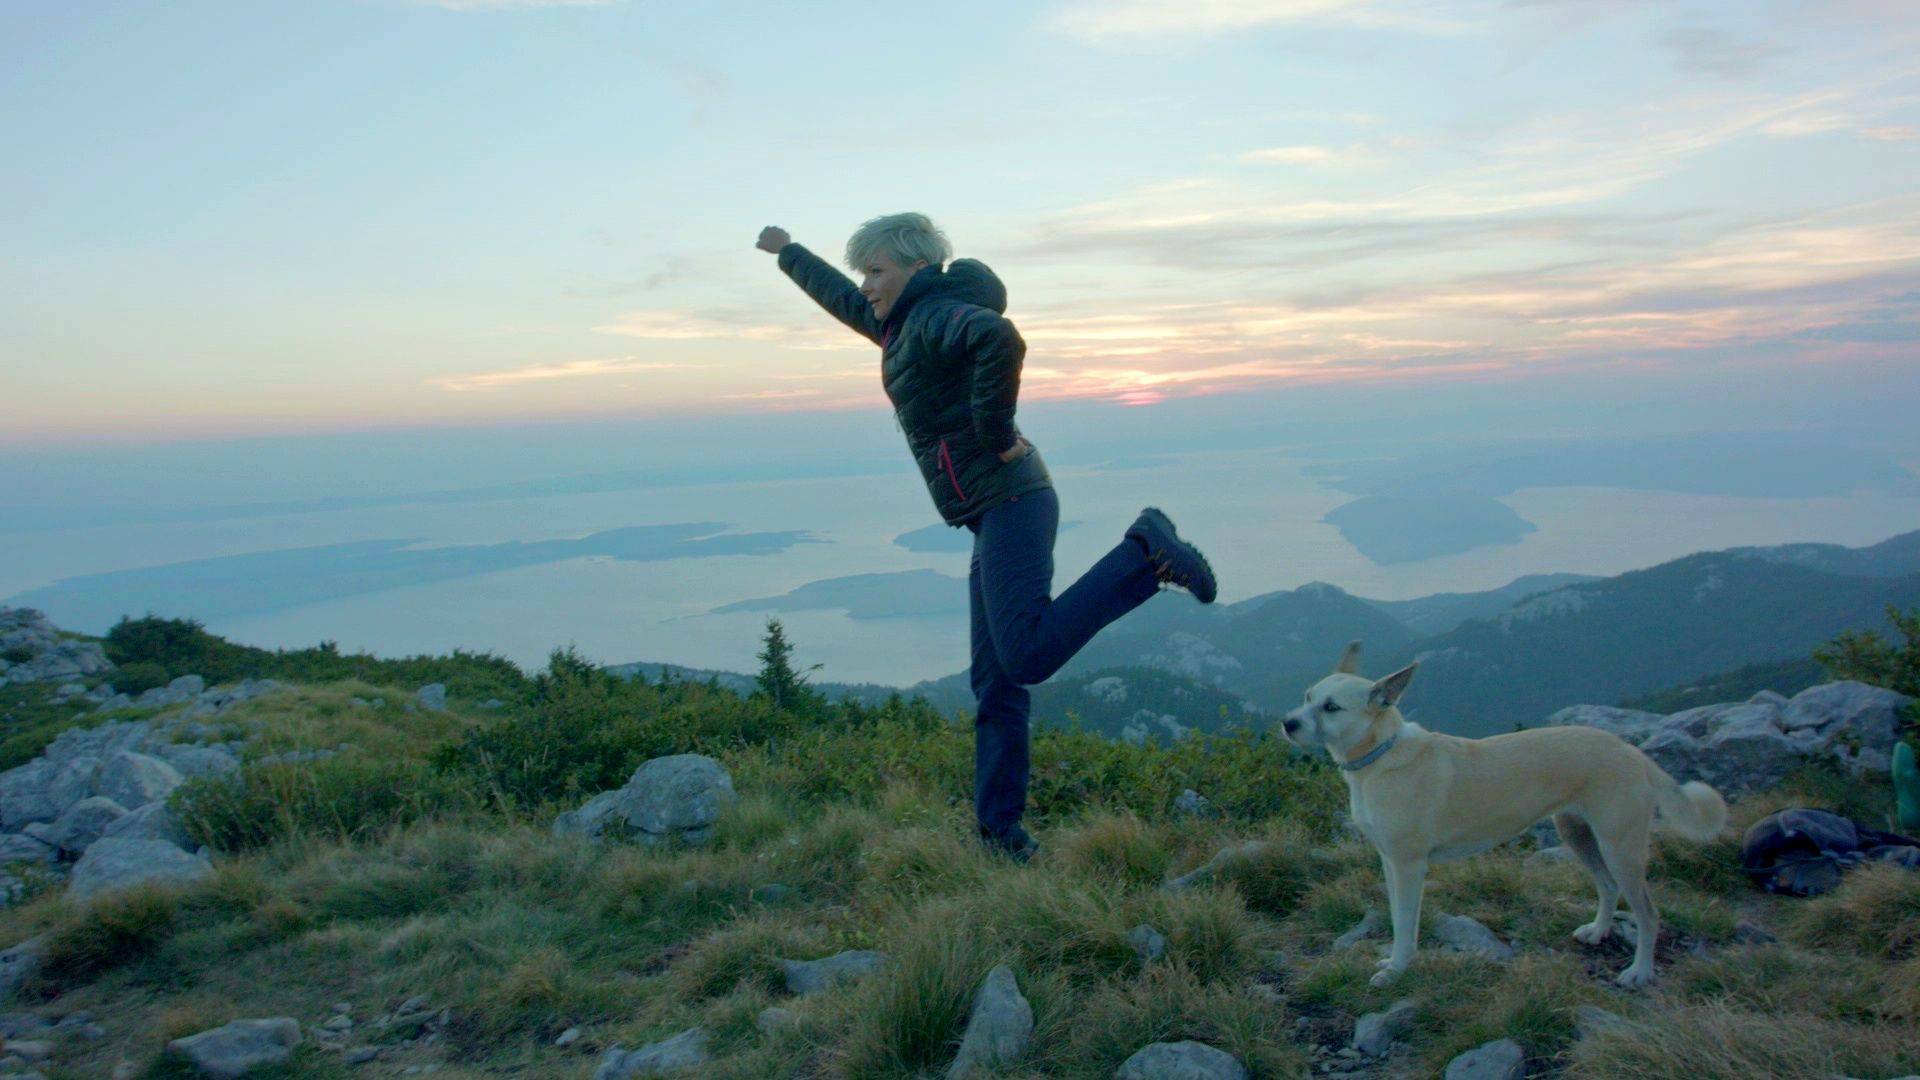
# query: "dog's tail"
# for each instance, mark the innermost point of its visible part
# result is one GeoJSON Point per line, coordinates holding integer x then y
{"type": "Point", "coordinates": [1693, 809]}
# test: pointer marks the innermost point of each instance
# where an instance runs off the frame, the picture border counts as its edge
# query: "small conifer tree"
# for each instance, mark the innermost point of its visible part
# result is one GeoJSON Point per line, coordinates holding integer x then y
{"type": "Point", "coordinates": [786, 687]}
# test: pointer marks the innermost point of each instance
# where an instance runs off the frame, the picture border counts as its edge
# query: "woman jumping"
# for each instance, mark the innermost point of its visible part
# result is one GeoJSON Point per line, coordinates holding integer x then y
{"type": "Point", "coordinates": [950, 363]}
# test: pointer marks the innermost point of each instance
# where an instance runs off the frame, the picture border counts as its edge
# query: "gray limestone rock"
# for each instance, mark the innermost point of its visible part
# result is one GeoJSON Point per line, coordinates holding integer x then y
{"type": "Point", "coordinates": [1374, 1034]}
{"type": "Point", "coordinates": [134, 779]}
{"type": "Point", "coordinates": [682, 1053]}
{"type": "Point", "coordinates": [1147, 942]}
{"type": "Point", "coordinates": [119, 863]}
{"type": "Point", "coordinates": [681, 796]}
{"type": "Point", "coordinates": [236, 1049]}
{"type": "Point", "coordinates": [1369, 925]}
{"type": "Point", "coordinates": [1463, 934]}
{"type": "Point", "coordinates": [81, 825]}
{"type": "Point", "coordinates": [998, 1031]}
{"type": "Point", "coordinates": [432, 696]}
{"type": "Point", "coordinates": [1502, 1059]}
{"type": "Point", "coordinates": [20, 963]}
{"type": "Point", "coordinates": [1181, 1061]}
{"type": "Point", "coordinates": [812, 976]}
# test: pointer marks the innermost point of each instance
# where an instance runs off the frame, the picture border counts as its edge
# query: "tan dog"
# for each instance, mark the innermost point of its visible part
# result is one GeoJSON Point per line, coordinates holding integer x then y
{"type": "Point", "coordinates": [1420, 796]}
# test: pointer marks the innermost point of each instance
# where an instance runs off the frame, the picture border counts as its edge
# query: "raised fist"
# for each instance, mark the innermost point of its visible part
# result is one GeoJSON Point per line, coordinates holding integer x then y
{"type": "Point", "coordinates": [773, 238]}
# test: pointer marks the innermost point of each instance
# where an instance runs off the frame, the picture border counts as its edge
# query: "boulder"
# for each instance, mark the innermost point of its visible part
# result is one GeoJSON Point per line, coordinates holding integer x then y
{"type": "Point", "coordinates": [1502, 1059]}
{"type": "Point", "coordinates": [1149, 944]}
{"type": "Point", "coordinates": [76, 830]}
{"type": "Point", "coordinates": [60, 660]}
{"type": "Point", "coordinates": [119, 863]}
{"type": "Point", "coordinates": [151, 822]}
{"type": "Point", "coordinates": [1181, 1061]}
{"type": "Point", "coordinates": [1193, 804]}
{"type": "Point", "coordinates": [432, 696]}
{"type": "Point", "coordinates": [43, 789]}
{"type": "Point", "coordinates": [18, 847]}
{"type": "Point", "coordinates": [1463, 934]}
{"type": "Point", "coordinates": [1754, 744]}
{"type": "Point", "coordinates": [20, 963]}
{"type": "Point", "coordinates": [240, 1047]}
{"type": "Point", "coordinates": [682, 1053]}
{"type": "Point", "coordinates": [998, 1030]}
{"type": "Point", "coordinates": [133, 779]}
{"type": "Point", "coordinates": [812, 976]}
{"type": "Point", "coordinates": [774, 1018]}
{"type": "Point", "coordinates": [677, 797]}
{"type": "Point", "coordinates": [1374, 1034]}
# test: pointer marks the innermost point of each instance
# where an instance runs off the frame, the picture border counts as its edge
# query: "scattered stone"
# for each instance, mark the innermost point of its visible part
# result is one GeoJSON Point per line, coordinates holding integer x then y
{"type": "Point", "coordinates": [1547, 856]}
{"type": "Point", "coordinates": [773, 1018]}
{"type": "Point", "coordinates": [23, 1025]}
{"type": "Point", "coordinates": [18, 847]}
{"type": "Point", "coordinates": [1147, 942]}
{"type": "Point", "coordinates": [1369, 925]}
{"type": "Point", "coordinates": [119, 863]}
{"type": "Point", "coordinates": [194, 762]}
{"type": "Point", "coordinates": [77, 829]}
{"type": "Point", "coordinates": [1374, 1034]}
{"type": "Point", "coordinates": [360, 1055]}
{"type": "Point", "coordinates": [682, 1053]}
{"type": "Point", "coordinates": [1462, 934]}
{"type": "Point", "coordinates": [998, 1031]}
{"type": "Point", "coordinates": [1751, 933]}
{"type": "Point", "coordinates": [568, 1037]}
{"type": "Point", "coordinates": [1181, 1061]}
{"type": "Point", "coordinates": [21, 963]}
{"type": "Point", "coordinates": [1193, 804]}
{"type": "Point", "coordinates": [125, 1070]}
{"type": "Point", "coordinates": [432, 696]}
{"type": "Point", "coordinates": [493, 703]}
{"type": "Point", "coordinates": [34, 1051]}
{"type": "Point", "coordinates": [240, 1047]}
{"type": "Point", "coordinates": [1502, 1059]}
{"type": "Point", "coordinates": [1590, 1020]}
{"type": "Point", "coordinates": [338, 1023]}
{"type": "Point", "coordinates": [669, 797]}
{"type": "Point", "coordinates": [151, 822]}
{"type": "Point", "coordinates": [1227, 856]}
{"type": "Point", "coordinates": [812, 976]}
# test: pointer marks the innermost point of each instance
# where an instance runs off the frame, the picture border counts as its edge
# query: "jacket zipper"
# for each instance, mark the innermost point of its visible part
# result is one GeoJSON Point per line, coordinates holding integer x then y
{"type": "Point", "coordinates": [946, 460]}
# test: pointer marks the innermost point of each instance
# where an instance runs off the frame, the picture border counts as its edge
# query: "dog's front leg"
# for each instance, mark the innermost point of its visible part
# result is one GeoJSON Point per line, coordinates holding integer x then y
{"type": "Point", "coordinates": [1406, 879]}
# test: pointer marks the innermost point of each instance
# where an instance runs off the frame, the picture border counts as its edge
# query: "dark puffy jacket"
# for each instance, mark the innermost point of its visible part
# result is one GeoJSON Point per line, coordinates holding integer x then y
{"type": "Point", "coordinates": [950, 363]}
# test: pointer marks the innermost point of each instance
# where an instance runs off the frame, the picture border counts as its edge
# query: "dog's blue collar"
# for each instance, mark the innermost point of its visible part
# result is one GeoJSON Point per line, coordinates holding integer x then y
{"type": "Point", "coordinates": [1370, 756]}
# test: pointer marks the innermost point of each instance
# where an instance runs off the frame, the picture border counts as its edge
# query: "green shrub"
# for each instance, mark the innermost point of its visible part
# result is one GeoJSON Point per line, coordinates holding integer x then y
{"type": "Point", "coordinates": [184, 646]}
{"type": "Point", "coordinates": [139, 677]}
{"type": "Point", "coordinates": [19, 654]}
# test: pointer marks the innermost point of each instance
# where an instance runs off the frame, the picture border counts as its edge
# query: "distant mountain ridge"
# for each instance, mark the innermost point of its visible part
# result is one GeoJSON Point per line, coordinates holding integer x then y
{"type": "Point", "coordinates": [1490, 660]}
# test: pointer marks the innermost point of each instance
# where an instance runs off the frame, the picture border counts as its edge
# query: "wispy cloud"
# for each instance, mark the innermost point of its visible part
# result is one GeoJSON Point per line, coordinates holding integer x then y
{"type": "Point", "coordinates": [1199, 18]}
{"type": "Point", "coordinates": [1308, 155]}
{"type": "Point", "coordinates": [570, 369]}
{"type": "Point", "coordinates": [508, 5]}
{"type": "Point", "coordinates": [728, 324]}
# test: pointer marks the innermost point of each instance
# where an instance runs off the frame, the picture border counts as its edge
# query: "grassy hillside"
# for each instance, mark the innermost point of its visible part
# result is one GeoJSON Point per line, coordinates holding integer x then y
{"type": "Point", "coordinates": [421, 862]}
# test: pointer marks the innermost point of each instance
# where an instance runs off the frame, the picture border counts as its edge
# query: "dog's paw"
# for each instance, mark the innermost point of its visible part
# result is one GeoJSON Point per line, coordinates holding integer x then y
{"type": "Point", "coordinates": [1385, 976]}
{"type": "Point", "coordinates": [1593, 933]}
{"type": "Point", "coordinates": [1635, 977]}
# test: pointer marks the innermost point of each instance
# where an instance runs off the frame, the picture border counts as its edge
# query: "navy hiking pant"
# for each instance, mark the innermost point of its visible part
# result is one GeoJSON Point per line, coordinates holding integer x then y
{"type": "Point", "coordinates": [1022, 634]}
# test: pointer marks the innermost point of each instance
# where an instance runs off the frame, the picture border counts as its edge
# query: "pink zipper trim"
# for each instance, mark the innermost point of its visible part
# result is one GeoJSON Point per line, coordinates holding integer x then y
{"type": "Point", "coordinates": [946, 460]}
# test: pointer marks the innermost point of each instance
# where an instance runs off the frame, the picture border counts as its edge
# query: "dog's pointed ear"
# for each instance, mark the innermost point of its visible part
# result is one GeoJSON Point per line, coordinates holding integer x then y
{"type": "Point", "coordinates": [1349, 660]}
{"type": "Point", "coordinates": [1386, 693]}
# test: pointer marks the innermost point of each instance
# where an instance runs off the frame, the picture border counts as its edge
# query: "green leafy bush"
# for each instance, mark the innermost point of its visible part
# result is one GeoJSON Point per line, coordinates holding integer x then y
{"type": "Point", "coordinates": [184, 647]}
{"type": "Point", "coordinates": [139, 677]}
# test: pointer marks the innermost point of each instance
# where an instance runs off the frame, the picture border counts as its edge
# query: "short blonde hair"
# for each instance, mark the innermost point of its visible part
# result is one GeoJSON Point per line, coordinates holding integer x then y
{"type": "Point", "coordinates": [905, 238]}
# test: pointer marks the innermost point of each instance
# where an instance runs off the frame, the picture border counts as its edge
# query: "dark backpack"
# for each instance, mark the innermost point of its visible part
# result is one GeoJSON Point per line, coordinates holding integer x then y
{"type": "Point", "coordinates": [1803, 852]}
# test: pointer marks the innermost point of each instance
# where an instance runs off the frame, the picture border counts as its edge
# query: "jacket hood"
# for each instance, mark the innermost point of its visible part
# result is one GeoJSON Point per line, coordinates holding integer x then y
{"type": "Point", "coordinates": [970, 281]}
{"type": "Point", "coordinates": [966, 280]}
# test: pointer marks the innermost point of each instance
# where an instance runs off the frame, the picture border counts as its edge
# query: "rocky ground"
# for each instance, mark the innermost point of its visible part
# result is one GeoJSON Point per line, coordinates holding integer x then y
{"type": "Point", "coordinates": [699, 920]}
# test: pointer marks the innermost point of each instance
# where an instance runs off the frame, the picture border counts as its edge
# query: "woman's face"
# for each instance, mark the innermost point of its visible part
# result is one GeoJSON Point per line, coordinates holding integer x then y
{"type": "Point", "coordinates": [882, 281]}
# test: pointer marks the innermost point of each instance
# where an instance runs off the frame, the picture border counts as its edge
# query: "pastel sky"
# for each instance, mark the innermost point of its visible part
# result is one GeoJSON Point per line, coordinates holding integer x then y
{"type": "Point", "coordinates": [230, 218]}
